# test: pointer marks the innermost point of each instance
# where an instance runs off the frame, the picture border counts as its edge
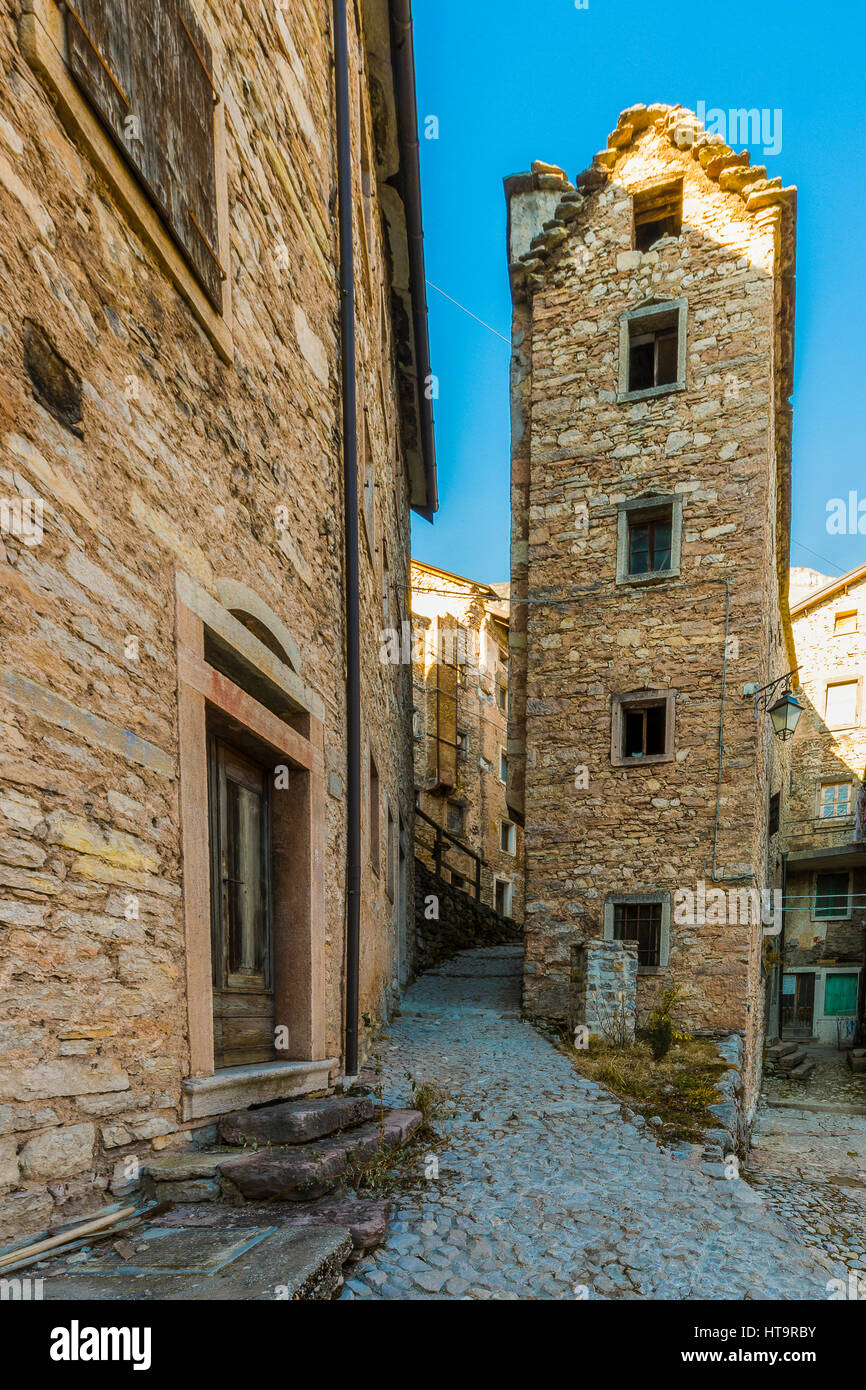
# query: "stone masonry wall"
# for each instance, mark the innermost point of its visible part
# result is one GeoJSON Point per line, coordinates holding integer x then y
{"type": "Point", "coordinates": [594, 830]}
{"type": "Point", "coordinates": [181, 462]}
{"type": "Point", "coordinates": [480, 720]}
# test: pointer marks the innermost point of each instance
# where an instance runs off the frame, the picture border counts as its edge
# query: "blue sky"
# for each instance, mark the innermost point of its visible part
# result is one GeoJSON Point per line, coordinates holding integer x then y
{"type": "Point", "coordinates": [512, 82]}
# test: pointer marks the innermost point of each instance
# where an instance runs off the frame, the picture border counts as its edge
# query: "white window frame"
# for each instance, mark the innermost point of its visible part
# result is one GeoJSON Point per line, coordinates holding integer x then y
{"type": "Point", "coordinates": [834, 819]}
{"type": "Point", "coordinates": [838, 917]}
{"type": "Point", "coordinates": [508, 885]}
{"type": "Point", "coordinates": [512, 837]}
{"type": "Point", "coordinates": [842, 678]}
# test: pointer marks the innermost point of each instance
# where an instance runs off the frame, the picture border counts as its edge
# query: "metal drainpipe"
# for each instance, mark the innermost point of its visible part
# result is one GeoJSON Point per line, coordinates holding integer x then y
{"type": "Point", "coordinates": [350, 483]}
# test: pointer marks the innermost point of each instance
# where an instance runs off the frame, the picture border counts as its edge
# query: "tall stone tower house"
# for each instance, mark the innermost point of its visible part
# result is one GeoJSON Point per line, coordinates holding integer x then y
{"type": "Point", "coordinates": [651, 430]}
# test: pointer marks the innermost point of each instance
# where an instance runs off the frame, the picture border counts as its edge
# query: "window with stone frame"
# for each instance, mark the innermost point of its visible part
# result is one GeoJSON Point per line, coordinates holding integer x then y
{"type": "Point", "coordinates": [658, 212]}
{"type": "Point", "coordinates": [503, 891]}
{"type": "Point", "coordinates": [455, 816]}
{"type": "Point", "coordinates": [649, 539]}
{"type": "Point", "coordinates": [640, 922]}
{"type": "Point", "coordinates": [508, 837]}
{"type": "Point", "coordinates": [503, 765]}
{"type": "Point", "coordinates": [642, 727]}
{"type": "Point", "coordinates": [842, 704]}
{"type": "Point", "coordinates": [836, 800]}
{"type": "Point", "coordinates": [652, 350]}
{"type": "Point", "coordinates": [832, 896]}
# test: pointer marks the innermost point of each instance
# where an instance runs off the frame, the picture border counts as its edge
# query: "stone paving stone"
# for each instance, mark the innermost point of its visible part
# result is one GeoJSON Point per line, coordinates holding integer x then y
{"type": "Point", "coordinates": [570, 1194]}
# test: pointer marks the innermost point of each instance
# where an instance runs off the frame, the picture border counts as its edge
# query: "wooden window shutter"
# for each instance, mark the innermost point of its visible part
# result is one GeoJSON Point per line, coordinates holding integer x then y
{"type": "Point", "coordinates": [147, 70]}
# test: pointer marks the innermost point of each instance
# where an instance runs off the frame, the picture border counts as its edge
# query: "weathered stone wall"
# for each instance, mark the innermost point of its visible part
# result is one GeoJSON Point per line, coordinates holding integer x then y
{"type": "Point", "coordinates": [448, 920]}
{"type": "Point", "coordinates": [438, 598]}
{"type": "Point", "coordinates": [604, 989]}
{"type": "Point", "coordinates": [181, 463]}
{"type": "Point", "coordinates": [592, 829]}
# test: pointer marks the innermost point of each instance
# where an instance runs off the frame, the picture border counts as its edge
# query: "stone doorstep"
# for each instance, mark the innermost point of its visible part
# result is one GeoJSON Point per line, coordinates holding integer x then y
{"type": "Point", "coordinates": [296, 1121]}
{"type": "Point", "coordinates": [235, 1088]}
{"type": "Point", "coordinates": [237, 1264]}
{"type": "Point", "coordinates": [310, 1170]}
{"type": "Point", "coordinates": [365, 1218]}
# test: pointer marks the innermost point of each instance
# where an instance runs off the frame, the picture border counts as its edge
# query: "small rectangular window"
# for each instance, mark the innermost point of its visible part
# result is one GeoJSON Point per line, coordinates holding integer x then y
{"type": "Point", "coordinates": [649, 542]}
{"type": "Point", "coordinates": [652, 359]}
{"type": "Point", "coordinates": [658, 212]}
{"type": "Point", "coordinates": [374, 813]}
{"type": "Point", "coordinates": [457, 880]}
{"type": "Point", "coordinates": [644, 731]}
{"type": "Point", "coordinates": [775, 810]}
{"type": "Point", "coordinates": [845, 622]}
{"type": "Point", "coordinates": [836, 800]}
{"type": "Point", "coordinates": [501, 695]}
{"type": "Point", "coordinates": [502, 897]}
{"type": "Point", "coordinates": [640, 922]}
{"type": "Point", "coordinates": [390, 852]}
{"type": "Point", "coordinates": [831, 895]}
{"type": "Point", "coordinates": [454, 812]}
{"type": "Point", "coordinates": [503, 765]}
{"type": "Point", "coordinates": [840, 706]}
{"type": "Point", "coordinates": [508, 837]}
{"type": "Point", "coordinates": [652, 349]}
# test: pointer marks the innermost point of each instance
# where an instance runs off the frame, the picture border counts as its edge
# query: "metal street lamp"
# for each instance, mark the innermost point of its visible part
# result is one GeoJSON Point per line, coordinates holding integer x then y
{"type": "Point", "coordinates": [785, 716]}
{"type": "Point", "coordinates": [785, 711]}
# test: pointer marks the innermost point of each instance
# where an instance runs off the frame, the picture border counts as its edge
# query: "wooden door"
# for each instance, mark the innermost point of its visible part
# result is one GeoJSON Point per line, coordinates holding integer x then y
{"type": "Point", "coordinates": [798, 1004]}
{"type": "Point", "coordinates": [241, 908]}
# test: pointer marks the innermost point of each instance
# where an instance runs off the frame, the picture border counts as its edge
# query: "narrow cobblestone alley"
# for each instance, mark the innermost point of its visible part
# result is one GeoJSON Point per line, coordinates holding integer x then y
{"type": "Point", "coordinates": [809, 1156]}
{"type": "Point", "coordinates": [546, 1189]}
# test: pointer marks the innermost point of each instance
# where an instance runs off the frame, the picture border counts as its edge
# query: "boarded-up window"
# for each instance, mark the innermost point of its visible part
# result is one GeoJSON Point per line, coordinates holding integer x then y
{"type": "Point", "coordinates": [147, 70]}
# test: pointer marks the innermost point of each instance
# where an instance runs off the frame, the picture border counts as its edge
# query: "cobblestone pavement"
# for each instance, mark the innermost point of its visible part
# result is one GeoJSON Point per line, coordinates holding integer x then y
{"type": "Point", "coordinates": [808, 1158]}
{"type": "Point", "coordinates": [547, 1188]}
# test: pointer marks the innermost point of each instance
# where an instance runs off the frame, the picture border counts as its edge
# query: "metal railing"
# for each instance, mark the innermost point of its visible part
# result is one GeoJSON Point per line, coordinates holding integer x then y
{"type": "Point", "coordinates": [440, 849]}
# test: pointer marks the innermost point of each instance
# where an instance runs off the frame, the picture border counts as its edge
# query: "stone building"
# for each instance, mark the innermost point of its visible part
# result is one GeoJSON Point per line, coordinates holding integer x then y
{"type": "Point", "coordinates": [177, 434]}
{"type": "Point", "coordinates": [819, 819]}
{"type": "Point", "coordinates": [460, 682]}
{"type": "Point", "coordinates": [651, 425]}
{"type": "Point", "coordinates": [460, 726]}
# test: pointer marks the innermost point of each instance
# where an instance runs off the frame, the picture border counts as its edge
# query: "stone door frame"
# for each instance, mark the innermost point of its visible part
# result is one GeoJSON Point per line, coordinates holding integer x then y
{"type": "Point", "coordinates": [299, 856]}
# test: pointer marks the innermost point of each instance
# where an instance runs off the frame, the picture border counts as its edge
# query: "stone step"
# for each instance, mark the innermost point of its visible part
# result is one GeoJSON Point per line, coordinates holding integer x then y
{"type": "Point", "coordinates": [192, 1176]}
{"type": "Point", "coordinates": [791, 1060]}
{"type": "Point", "coordinates": [365, 1218]}
{"type": "Point", "coordinates": [296, 1121]}
{"type": "Point", "coordinates": [803, 1071]}
{"type": "Point", "coordinates": [310, 1170]}
{"type": "Point", "coordinates": [780, 1049]}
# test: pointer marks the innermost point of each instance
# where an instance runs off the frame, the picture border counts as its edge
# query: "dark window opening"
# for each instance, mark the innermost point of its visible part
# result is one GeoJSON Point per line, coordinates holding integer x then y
{"type": "Point", "coordinates": [454, 818]}
{"type": "Point", "coordinates": [640, 922]}
{"type": "Point", "coordinates": [658, 212]}
{"type": "Point", "coordinates": [652, 359]}
{"type": "Point", "coordinates": [649, 544]}
{"type": "Point", "coordinates": [775, 811]}
{"type": "Point", "coordinates": [644, 731]}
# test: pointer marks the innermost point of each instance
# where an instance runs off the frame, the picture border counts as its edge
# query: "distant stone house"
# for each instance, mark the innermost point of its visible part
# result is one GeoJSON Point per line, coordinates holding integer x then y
{"type": "Point", "coordinates": [820, 820]}
{"type": "Point", "coordinates": [174, 779]}
{"type": "Point", "coordinates": [651, 376]}
{"type": "Point", "coordinates": [460, 686]}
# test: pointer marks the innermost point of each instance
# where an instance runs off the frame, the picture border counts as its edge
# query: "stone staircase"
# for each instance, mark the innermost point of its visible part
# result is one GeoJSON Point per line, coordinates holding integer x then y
{"type": "Point", "coordinates": [284, 1168]}
{"type": "Point", "coordinates": [292, 1151]}
{"type": "Point", "coordinates": [786, 1060]}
